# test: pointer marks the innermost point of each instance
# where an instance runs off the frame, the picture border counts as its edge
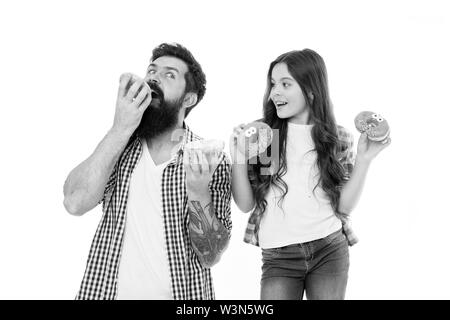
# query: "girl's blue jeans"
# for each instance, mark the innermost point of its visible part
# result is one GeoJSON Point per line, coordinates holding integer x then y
{"type": "Point", "coordinates": [318, 268]}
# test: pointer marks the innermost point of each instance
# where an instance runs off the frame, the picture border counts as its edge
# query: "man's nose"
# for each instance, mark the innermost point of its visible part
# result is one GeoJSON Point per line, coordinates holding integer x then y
{"type": "Point", "coordinates": [154, 78]}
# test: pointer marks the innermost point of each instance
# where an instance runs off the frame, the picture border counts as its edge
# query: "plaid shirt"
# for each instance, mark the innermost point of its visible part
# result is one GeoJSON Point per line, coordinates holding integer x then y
{"type": "Point", "coordinates": [346, 157]}
{"type": "Point", "coordinates": [189, 279]}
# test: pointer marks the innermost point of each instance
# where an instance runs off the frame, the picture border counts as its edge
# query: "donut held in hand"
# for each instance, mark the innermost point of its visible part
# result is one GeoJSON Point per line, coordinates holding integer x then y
{"type": "Point", "coordinates": [373, 124]}
{"type": "Point", "coordinates": [257, 137]}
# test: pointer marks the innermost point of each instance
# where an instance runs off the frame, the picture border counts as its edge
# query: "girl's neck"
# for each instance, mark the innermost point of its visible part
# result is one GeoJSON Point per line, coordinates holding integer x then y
{"type": "Point", "coordinates": [301, 119]}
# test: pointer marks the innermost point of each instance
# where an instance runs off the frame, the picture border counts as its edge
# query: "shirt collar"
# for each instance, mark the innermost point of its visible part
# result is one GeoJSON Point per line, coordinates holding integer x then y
{"type": "Point", "coordinates": [187, 135]}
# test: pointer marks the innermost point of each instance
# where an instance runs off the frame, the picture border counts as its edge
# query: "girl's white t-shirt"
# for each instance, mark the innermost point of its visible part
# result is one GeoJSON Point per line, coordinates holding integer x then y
{"type": "Point", "coordinates": [304, 215]}
{"type": "Point", "coordinates": [144, 266]}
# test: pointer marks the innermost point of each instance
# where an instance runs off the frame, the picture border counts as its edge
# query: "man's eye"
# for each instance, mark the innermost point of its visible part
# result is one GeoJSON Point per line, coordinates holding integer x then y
{"type": "Point", "coordinates": [170, 75]}
{"type": "Point", "coordinates": [151, 71]}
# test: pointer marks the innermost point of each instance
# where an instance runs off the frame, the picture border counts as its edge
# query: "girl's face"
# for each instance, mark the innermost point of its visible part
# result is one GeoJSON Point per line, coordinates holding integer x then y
{"type": "Point", "coordinates": [287, 96]}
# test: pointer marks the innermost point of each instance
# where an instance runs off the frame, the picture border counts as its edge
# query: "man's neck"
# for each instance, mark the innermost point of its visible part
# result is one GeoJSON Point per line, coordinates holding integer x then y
{"type": "Point", "coordinates": [167, 139]}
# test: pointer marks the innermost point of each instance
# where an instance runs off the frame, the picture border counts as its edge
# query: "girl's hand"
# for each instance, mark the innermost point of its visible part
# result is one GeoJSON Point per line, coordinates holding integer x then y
{"type": "Point", "coordinates": [237, 142]}
{"type": "Point", "coordinates": [367, 149]}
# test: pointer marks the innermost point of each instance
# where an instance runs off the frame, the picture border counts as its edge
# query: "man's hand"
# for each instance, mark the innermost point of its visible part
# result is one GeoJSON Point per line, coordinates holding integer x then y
{"type": "Point", "coordinates": [208, 235]}
{"type": "Point", "coordinates": [133, 98]}
{"type": "Point", "coordinates": [85, 186]}
{"type": "Point", "coordinates": [199, 166]}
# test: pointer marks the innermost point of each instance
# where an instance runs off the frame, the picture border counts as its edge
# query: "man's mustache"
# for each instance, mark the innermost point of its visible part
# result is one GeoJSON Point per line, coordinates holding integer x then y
{"type": "Point", "coordinates": [156, 91]}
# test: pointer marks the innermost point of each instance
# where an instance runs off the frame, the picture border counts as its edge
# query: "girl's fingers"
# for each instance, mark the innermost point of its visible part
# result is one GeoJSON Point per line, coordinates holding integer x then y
{"type": "Point", "coordinates": [386, 141]}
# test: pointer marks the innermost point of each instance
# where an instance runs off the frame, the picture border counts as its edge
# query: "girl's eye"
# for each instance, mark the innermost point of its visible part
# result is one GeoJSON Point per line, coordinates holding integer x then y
{"type": "Point", "coordinates": [272, 84]}
{"type": "Point", "coordinates": [285, 84]}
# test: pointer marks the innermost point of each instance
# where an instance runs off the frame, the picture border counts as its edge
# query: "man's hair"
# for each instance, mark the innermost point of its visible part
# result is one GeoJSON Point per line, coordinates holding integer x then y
{"type": "Point", "coordinates": [195, 78]}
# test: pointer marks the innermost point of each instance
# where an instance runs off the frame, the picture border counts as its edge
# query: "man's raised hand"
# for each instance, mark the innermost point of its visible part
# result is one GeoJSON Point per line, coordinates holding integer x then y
{"type": "Point", "coordinates": [133, 98]}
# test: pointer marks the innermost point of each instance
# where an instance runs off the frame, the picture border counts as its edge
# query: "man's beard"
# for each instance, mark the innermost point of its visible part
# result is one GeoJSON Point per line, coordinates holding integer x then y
{"type": "Point", "coordinates": [160, 116]}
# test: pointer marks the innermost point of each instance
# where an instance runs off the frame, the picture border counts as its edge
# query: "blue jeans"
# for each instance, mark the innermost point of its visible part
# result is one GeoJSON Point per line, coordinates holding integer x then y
{"type": "Point", "coordinates": [318, 268]}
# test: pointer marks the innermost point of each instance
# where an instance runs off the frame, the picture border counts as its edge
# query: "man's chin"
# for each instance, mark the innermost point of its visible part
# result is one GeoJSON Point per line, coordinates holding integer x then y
{"type": "Point", "coordinates": [153, 125]}
{"type": "Point", "coordinates": [151, 131]}
{"type": "Point", "coordinates": [159, 118]}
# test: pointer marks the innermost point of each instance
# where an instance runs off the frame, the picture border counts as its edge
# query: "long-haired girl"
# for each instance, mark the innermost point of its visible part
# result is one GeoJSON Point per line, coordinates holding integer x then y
{"type": "Point", "coordinates": [300, 208]}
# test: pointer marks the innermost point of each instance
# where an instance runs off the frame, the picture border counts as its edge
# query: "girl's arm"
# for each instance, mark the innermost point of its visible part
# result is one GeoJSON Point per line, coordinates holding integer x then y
{"type": "Point", "coordinates": [351, 192]}
{"type": "Point", "coordinates": [240, 183]}
{"type": "Point", "coordinates": [241, 189]}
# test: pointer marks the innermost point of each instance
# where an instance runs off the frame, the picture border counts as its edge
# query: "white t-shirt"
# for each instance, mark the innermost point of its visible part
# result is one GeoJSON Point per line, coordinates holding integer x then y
{"type": "Point", "coordinates": [144, 267]}
{"type": "Point", "coordinates": [307, 216]}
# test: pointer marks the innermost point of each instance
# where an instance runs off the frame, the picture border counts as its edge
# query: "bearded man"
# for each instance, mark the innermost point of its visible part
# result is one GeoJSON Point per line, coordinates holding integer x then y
{"type": "Point", "coordinates": [166, 206]}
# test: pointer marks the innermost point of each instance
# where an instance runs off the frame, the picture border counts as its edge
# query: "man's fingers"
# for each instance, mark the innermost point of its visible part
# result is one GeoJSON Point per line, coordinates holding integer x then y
{"type": "Point", "coordinates": [186, 161]}
{"type": "Point", "coordinates": [199, 162]}
{"type": "Point", "coordinates": [146, 102]}
{"type": "Point", "coordinates": [142, 94]}
{"type": "Point", "coordinates": [195, 162]}
{"type": "Point", "coordinates": [123, 84]}
{"type": "Point", "coordinates": [204, 165]}
{"type": "Point", "coordinates": [134, 89]}
{"type": "Point", "coordinates": [214, 162]}
{"type": "Point", "coordinates": [190, 161]}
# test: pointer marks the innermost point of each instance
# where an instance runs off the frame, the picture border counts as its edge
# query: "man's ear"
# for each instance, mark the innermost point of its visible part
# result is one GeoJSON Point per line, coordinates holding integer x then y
{"type": "Point", "coordinates": [189, 100]}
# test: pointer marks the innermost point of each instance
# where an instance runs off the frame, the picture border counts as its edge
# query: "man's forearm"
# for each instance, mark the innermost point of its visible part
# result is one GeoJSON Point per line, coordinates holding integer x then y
{"type": "Point", "coordinates": [208, 235]}
{"type": "Point", "coordinates": [85, 184]}
{"type": "Point", "coordinates": [351, 192]}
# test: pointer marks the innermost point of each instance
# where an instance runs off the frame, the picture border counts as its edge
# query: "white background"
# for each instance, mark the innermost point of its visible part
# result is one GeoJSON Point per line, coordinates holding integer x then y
{"type": "Point", "coordinates": [60, 64]}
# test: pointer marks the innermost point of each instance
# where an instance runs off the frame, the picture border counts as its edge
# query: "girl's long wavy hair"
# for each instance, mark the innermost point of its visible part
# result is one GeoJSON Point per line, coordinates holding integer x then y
{"type": "Point", "coordinates": [308, 69]}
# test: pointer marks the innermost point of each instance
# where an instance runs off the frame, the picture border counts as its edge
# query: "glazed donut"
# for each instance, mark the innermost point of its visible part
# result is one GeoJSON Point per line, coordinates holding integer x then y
{"type": "Point", "coordinates": [257, 137]}
{"type": "Point", "coordinates": [206, 146]}
{"type": "Point", "coordinates": [209, 148]}
{"type": "Point", "coordinates": [373, 124]}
